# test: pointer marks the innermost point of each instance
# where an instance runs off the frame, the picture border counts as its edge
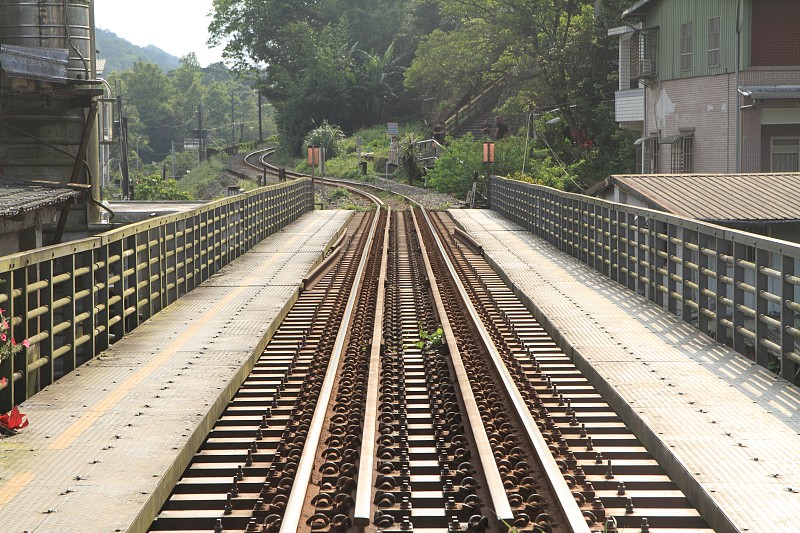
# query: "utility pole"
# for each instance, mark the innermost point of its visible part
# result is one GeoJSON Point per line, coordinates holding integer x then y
{"type": "Point", "coordinates": [260, 125]}
{"type": "Point", "coordinates": [233, 122]}
{"type": "Point", "coordinates": [201, 138]}
{"type": "Point", "coordinates": [173, 159]}
{"type": "Point", "coordinates": [123, 147]}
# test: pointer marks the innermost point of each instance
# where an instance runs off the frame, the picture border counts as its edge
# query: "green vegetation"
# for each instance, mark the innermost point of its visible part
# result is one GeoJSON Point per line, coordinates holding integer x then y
{"type": "Point", "coordinates": [553, 62]}
{"type": "Point", "coordinates": [326, 137]}
{"type": "Point", "coordinates": [122, 55]}
{"type": "Point", "coordinates": [155, 187]}
{"type": "Point", "coordinates": [326, 72]}
{"type": "Point", "coordinates": [430, 340]}
{"type": "Point", "coordinates": [162, 112]}
{"type": "Point", "coordinates": [204, 180]}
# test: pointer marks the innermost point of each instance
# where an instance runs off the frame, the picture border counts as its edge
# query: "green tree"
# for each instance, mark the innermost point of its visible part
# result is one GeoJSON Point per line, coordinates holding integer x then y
{"type": "Point", "coordinates": [458, 166]}
{"type": "Point", "coordinates": [312, 60]}
{"type": "Point", "coordinates": [546, 55]}
{"type": "Point", "coordinates": [410, 159]}
{"type": "Point", "coordinates": [328, 137]}
{"type": "Point", "coordinates": [154, 187]}
{"type": "Point", "coordinates": [378, 82]}
{"type": "Point", "coordinates": [149, 90]}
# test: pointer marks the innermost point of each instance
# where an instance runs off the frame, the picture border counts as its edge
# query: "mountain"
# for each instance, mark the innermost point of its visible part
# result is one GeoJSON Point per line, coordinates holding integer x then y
{"type": "Point", "coordinates": [121, 54]}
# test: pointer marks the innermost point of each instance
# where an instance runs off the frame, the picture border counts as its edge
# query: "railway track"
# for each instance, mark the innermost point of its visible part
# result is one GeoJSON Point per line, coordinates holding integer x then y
{"type": "Point", "coordinates": [409, 390]}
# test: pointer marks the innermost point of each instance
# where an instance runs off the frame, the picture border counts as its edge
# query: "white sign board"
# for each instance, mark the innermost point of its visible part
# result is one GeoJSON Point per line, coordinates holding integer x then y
{"type": "Point", "coordinates": [393, 128]}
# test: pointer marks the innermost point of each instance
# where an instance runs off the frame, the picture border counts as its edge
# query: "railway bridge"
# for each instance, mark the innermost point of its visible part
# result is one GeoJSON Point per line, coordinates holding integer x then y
{"type": "Point", "coordinates": [556, 363]}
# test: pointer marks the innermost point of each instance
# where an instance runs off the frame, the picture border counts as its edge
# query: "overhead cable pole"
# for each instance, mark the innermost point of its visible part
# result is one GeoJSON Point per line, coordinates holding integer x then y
{"type": "Point", "coordinates": [260, 125]}
{"type": "Point", "coordinates": [233, 122]}
{"type": "Point", "coordinates": [200, 136]}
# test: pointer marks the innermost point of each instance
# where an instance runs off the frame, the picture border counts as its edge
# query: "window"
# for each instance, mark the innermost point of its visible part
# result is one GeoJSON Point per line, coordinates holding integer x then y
{"type": "Point", "coordinates": [713, 42]}
{"type": "Point", "coordinates": [686, 46]}
{"type": "Point", "coordinates": [785, 154]}
{"type": "Point", "coordinates": [653, 149]}
{"type": "Point", "coordinates": [682, 156]}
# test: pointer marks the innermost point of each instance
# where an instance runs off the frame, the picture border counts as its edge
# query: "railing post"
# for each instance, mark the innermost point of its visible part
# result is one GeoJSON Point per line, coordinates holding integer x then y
{"type": "Point", "coordinates": [739, 255]}
{"type": "Point", "coordinates": [703, 284]}
{"type": "Point", "coordinates": [789, 368]}
{"type": "Point", "coordinates": [672, 270]}
{"type": "Point", "coordinates": [761, 307]}
{"type": "Point", "coordinates": [724, 270]}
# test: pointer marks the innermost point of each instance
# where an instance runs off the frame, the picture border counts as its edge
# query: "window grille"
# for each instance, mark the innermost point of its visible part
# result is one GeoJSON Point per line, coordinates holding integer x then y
{"type": "Point", "coordinates": [682, 155]}
{"type": "Point", "coordinates": [644, 54]}
{"type": "Point", "coordinates": [654, 149]}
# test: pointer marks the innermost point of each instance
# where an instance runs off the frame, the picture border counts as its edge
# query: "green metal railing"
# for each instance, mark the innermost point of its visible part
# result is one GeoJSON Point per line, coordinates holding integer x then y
{"type": "Point", "coordinates": [71, 301]}
{"type": "Point", "coordinates": [739, 288]}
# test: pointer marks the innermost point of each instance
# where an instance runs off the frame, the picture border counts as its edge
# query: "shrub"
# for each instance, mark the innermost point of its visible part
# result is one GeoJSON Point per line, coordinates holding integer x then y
{"type": "Point", "coordinates": [327, 136]}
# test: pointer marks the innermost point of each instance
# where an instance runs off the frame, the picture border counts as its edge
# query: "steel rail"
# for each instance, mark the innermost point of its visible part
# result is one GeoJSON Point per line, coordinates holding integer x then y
{"type": "Point", "coordinates": [294, 506]}
{"type": "Point", "coordinates": [552, 473]}
{"type": "Point", "coordinates": [366, 467]}
{"type": "Point", "coordinates": [273, 170]}
{"type": "Point", "coordinates": [502, 507]}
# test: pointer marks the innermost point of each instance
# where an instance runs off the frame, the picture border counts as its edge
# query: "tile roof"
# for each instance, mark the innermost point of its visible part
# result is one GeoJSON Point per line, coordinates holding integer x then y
{"type": "Point", "coordinates": [766, 198]}
{"type": "Point", "coordinates": [17, 197]}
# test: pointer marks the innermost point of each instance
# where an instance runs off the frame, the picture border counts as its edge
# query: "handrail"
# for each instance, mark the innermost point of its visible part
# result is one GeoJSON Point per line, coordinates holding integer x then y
{"type": "Point", "coordinates": [739, 288]}
{"type": "Point", "coordinates": [468, 110]}
{"type": "Point", "coordinates": [429, 151]}
{"type": "Point", "coordinates": [73, 300]}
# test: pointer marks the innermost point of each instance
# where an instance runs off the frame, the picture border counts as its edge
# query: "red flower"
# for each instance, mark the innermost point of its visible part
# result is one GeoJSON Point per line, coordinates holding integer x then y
{"type": "Point", "coordinates": [3, 383]}
{"type": "Point", "coordinates": [26, 343]}
{"type": "Point", "coordinates": [13, 420]}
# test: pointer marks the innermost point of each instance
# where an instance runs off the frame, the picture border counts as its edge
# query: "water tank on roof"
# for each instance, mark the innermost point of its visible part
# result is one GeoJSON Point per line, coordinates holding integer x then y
{"type": "Point", "coordinates": [64, 24]}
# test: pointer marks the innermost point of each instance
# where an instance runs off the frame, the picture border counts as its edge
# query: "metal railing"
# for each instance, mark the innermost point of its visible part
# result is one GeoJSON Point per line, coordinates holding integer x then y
{"type": "Point", "coordinates": [739, 288]}
{"type": "Point", "coordinates": [475, 106]}
{"type": "Point", "coordinates": [429, 151]}
{"type": "Point", "coordinates": [71, 301]}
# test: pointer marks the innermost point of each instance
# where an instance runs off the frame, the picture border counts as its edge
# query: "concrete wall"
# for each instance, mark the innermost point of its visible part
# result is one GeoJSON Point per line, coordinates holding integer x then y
{"type": "Point", "coordinates": [706, 104]}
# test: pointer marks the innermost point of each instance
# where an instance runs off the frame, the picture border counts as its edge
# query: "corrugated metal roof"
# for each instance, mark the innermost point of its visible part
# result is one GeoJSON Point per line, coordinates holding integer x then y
{"type": "Point", "coordinates": [766, 198]}
{"type": "Point", "coordinates": [19, 197]}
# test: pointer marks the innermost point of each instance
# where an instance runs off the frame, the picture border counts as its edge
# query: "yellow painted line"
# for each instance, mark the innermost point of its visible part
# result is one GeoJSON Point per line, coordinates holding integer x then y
{"type": "Point", "coordinates": [12, 487]}
{"type": "Point", "coordinates": [83, 423]}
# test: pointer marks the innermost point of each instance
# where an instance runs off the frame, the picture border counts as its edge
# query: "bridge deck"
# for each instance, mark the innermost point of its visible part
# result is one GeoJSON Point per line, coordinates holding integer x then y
{"type": "Point", "coordinates": [107, 442]}
{"type": "Point", "coordinates": [725, 429]}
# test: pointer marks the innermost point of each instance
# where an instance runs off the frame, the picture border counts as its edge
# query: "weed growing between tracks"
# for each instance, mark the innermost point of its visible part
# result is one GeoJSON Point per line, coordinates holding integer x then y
{"type": "Point", "coordinates": [430, 340]}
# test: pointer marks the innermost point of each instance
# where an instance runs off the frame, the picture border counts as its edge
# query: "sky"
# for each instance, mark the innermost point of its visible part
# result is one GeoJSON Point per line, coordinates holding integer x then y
{"type": "Point", "coordinates": [175, 26]}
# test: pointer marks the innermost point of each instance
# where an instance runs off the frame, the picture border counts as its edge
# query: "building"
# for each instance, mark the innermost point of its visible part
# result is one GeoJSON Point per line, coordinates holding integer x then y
{"type": "Point", "coordinates": [712, 86]}
{"type": "Point", "coordinates": [50, 98]}
{"type": "Point", "coordinates": [766, 204]}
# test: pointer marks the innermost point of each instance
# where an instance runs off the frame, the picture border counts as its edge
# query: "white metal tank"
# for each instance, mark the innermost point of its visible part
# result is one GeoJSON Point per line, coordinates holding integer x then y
{"type": "Point", "coordinates": [64, 24]}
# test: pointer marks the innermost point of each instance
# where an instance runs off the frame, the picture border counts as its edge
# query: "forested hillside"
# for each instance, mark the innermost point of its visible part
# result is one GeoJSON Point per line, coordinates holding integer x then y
{"type": "Point", "coordinates": [356, 63]}
{"type": "Point", "coordinates": [121, 55]}
{"type": "Point", "coordinates": [164, 111]}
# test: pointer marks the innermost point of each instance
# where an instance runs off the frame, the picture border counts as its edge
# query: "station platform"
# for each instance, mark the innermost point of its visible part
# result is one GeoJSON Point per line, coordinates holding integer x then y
{"type": "Point", "coordinates": [107, 443]}
{"type": "Point", "coordinates": [726, 430]}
